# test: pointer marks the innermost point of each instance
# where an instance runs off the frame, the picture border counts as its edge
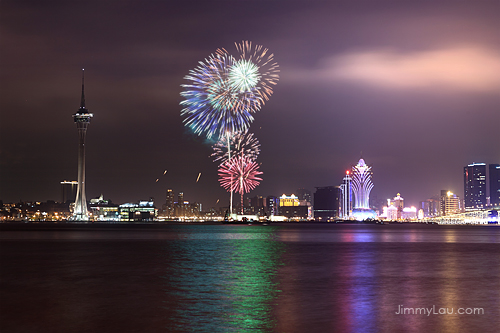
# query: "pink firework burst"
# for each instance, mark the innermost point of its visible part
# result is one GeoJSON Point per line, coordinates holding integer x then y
{"type": "Point", "coordinates": [239, 174]}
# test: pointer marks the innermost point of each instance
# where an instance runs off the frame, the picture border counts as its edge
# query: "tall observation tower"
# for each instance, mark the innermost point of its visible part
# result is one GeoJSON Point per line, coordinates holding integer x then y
{"type": "Point", "coordinates": [82, 120]}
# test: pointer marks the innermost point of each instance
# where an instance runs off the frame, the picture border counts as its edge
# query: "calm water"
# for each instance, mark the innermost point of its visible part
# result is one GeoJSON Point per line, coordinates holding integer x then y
{"type": "Point", "coordinates": [222, 278]}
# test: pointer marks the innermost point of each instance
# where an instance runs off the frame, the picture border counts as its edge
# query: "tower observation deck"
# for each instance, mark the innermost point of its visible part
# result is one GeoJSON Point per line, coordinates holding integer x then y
{"type": "Point", "coordinates": [82, 120]}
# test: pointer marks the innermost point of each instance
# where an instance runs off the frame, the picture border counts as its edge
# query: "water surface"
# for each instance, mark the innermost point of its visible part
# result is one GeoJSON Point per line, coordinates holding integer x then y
{"type": "Point", "coordinates": [238, 278]}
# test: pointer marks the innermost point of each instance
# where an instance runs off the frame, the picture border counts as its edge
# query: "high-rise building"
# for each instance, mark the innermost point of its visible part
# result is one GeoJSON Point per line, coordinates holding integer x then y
{"type": "Point", "coordinates": [327, 202]}
{"type": "Point", "coordinates": [361, 187]}
{"type": "Point", "coordinates": [272, 205]}
{"type": "Point", "coordinates": [82, 120]}
{"type": "Point", "coordinates": [169, 203]}
{"type": "Point", "coordinates": [346, 194]}
{"type": "Point", "coordinates": [494, 177]}
{"type": "Point", "coordinates": [362, 184]}
{"type": "Point", "coordinates": [475, 186]}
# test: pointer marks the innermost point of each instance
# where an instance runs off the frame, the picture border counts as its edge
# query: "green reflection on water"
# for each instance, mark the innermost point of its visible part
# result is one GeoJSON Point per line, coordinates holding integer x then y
{"type": "Point", "coordinates": [223, 280]}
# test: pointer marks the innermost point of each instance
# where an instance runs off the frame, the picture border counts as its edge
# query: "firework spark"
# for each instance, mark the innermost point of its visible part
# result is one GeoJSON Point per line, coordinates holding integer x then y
{"type": "Point", "coordinates": [239, 144]}
{"type": "Point", "coordinates": [239, 174]}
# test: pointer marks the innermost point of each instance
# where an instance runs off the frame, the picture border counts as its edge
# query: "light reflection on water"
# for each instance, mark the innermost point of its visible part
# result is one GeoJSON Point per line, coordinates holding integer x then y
{"type": "Point", "coordinates": [220, 278]}
{"type": "Point", "coordinates": [222, 282]}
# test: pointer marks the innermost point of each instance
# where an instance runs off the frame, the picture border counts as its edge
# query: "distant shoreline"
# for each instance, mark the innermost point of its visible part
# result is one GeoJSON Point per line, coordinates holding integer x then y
{"type": "Point", "coordinates": [68, 226]}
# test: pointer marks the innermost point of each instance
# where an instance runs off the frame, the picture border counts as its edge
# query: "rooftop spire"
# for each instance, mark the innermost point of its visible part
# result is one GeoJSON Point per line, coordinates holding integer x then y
{"type": "Point", "coordinates": [82, 103]}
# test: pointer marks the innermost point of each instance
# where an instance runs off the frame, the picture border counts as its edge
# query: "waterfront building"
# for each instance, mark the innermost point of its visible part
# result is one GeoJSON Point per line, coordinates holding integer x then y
{"type": "Point", "coordinates": [494, 177]}
{"type": "Point", "coordinates": [142, 211]}
{"type": "Point", "coordinates": [327, 202]}
{"type": "Point", "coordinates": [292, 207]}
{"type": "Point", "coordinates": [450, 203]}
{"type": "Point", "coordinates": [475, 186]}
{"type": "Point", "coordinates": [82, 120]}
{"type": "Point", "coordinates": [346, 194]}
{"type": "Point", "coordinates": [289, 200]}
{"type": "Point", "coordinates": [103, 210]}
{"type": "Point", "coordinates": [361, 187]}
{"type": "Point", "coordinates": [398, 202]}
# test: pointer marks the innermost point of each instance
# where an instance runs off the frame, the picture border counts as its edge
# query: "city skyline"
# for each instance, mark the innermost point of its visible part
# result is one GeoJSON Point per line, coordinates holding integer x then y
{"type": "Point", "coordinates": [412, 86]}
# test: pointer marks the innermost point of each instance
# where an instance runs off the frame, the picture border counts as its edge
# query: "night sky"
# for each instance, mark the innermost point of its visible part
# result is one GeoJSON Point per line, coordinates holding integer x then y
{"type": "Point", "coordinates": [412, 87]}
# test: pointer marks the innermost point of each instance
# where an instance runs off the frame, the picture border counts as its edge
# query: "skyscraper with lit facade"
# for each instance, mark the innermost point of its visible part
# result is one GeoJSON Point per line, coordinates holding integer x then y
{"type": "Point", "coordinates": [361, 187]}
{"type": "Point", "coordinates": [494, 177]}
{"type": "Point", "coordinates": [169, 203]}
{"type": "Point", "coordinates": [346, 194]}
{"type": "Point", "coordinates": [82, 120]}
{"type": "Point", "coordinates": [475, 186]}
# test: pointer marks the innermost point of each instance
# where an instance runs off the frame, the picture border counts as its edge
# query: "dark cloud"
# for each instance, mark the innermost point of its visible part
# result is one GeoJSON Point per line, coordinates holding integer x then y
{"type": "Point", "coordinates": [413, 86]}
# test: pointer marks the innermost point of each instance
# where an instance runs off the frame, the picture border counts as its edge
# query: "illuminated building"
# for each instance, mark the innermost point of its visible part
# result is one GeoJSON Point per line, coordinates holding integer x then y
{"type": "Point", "coordinates": [392, 213]}
{"type": "Point", "coordinates": [409, 213]}
{"type": "Point", "coordinates": [82, 120]}
{"type": "Point", "coordinates": [68, 191]}
{"type": "Point", "coordinates": [272, 204]}
{"type": "Point", "coordinates": [142, 211]}
{"type": "Point", "coordinates": [289, 200]}
{"type": "Point", "coordinates": [494, 177]}
{"type": "Point", "coordinates": [103, 210]}
{"type": "Point", "coordinates": [361, 187]}
{"type": "Point", "coordinates": [450, 203]}
{"type": "Point", "coordinates": [398, 202]}
{"type": "Point", "coordinates": [475, 186]}
{"type": "Point", "coordinates": [346, 192]}
{"type": "Point", "coordinates": [292, 207]}
{"type": "Point", "coordinates": [327, 202]}
{"type": "Point", "coordinates": [169, 203]}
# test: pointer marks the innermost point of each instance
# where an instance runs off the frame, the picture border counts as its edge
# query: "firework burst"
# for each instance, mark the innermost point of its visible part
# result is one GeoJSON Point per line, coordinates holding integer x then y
{"type": "Point", "coordinates": [239, 174]}
{"type": "Point", "coordinates": [239, 144]}
{"type": "Point", "coordinates": [212, 105]}
{"type": "Point", "coordinates": [255, 69]}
